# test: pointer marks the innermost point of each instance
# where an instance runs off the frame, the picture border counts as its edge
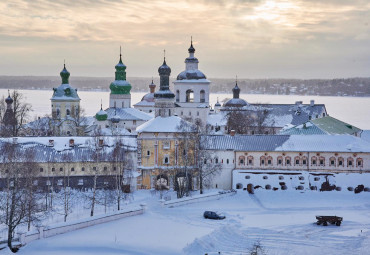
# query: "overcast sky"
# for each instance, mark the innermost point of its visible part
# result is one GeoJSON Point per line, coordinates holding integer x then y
{"type": "Point", "coordinates": [251, 39]}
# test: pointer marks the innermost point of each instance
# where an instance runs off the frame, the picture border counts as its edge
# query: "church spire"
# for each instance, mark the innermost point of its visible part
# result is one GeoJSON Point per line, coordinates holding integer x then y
{"type": "Point", "coordinates": [236, 89]}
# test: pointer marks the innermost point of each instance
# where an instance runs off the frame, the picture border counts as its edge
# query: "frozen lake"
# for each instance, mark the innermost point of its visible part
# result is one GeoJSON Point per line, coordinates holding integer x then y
{"type": "Point", "coordinates": [353, 110]}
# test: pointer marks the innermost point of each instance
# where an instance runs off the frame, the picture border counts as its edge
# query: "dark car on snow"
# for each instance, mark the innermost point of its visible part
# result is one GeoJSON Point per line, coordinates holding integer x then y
{"type": "Point", "coordinates": [213, 215]}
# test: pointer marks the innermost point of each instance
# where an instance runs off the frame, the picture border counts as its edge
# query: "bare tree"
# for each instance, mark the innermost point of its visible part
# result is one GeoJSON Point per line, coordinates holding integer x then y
{"type": "Point", "coordinates": [21, 114]}
{"type": "Point", "coordinates": [20, 205]}
{"type": "Point", "coordinates": [247, 121]}
{"type": "Point", "coordinates": [186, 158]}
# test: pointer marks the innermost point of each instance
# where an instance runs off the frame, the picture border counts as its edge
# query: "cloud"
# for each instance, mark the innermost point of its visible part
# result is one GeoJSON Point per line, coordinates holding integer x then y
{"type": "Point", "coordinates": [221, 26]}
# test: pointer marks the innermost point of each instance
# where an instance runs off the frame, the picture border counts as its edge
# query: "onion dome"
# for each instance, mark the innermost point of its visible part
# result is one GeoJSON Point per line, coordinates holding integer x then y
{"type": "Point", "coordinates": [65, 75]}
{"type": "Point", "coordinates": [164, 87]}
{"type": "Point", "coordinates": [101, 115]}
{"type": "Point", "coordinates": [164, 69]}
{"type": "Point", "coordinates": [236, 101]}
{"type": "Point", "coordinates": [120, 85]}
{"type": "Point", "coordinates": [191, 49]}
{"type": "Point", "coordinates": [9, 100]}
{"type": "Point", "coordinates": [65, 91]}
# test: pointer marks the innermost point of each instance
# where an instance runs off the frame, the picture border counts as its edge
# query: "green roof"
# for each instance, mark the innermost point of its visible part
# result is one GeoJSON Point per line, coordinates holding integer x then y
{"type": "Point", "coordinates": [334, 126]}
{"type": "Point", "coordinates": [320, 126]}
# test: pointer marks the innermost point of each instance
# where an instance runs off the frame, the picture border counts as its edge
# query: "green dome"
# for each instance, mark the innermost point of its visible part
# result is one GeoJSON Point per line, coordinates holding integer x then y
{"type": "Point", "coordinates": [101, 115]}
{"type": "Point", "coordinates": [120, 85]}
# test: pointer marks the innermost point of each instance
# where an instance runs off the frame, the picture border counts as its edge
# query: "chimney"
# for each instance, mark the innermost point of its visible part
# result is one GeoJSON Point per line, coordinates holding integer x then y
{"type": "Point", "coordinates": [51, 143]}
{"type": "Point", "coordinates": [101, 142]}
{"type": "Point", "coordinates": [312, 102]}
{"type": "Point", "coordinates": [232, 132]}
{"type": "Point", "coordinates": [298, 102]}
{"type": "Point", "coordinates": [71, 142]}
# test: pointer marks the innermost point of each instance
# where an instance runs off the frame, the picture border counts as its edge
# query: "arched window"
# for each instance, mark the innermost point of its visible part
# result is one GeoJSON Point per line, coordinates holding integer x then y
{"type": "Point", "coordinates": [58, 112]}
{"type": "Point", "coordinates": [332, 161]}
{"type": "Point", "coordinates": [202, 96]}
{"type": "Point", "coordinates": [189, 96]}
{"type": "Point", "coordinates": [304, 161]}
{"type": "Point", "coordinates": [269, 161]}
{"type": "Point", "coordinates": [288, 161]}
{"type": "Point", "coordinates": [216, 160]}
{"type": "Point", "coordinates": [279, 160]}
{"type": "Point", "coordinates": [166, 159]}
{"type": "Point", "coordinates": [359, 162]}
{"type": "Point", "coordinates": [241, 160]}
{"type": "Point", "coordinates": [322, 161]}
{"type": "Point", "coordinates": [262, 160]}
{"type": "Point", "coordinates": [250, 161]}
{"type": "Point", "coordinates": [350, 162]}
{"type": "Point", "coordinates": [340, 161]}
{"type": "Point", "coordinates": [313, 161]}
{"type": "Point", "coordinates": [297, 161]}
{"type": "Point", "coordinates": [177, 96]}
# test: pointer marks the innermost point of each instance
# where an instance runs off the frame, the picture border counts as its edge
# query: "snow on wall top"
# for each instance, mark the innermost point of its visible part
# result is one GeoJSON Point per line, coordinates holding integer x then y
{"type": "Point", "coordinates": [317, 143]}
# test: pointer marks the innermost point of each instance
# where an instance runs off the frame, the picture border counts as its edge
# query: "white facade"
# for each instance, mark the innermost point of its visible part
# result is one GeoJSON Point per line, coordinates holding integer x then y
{"type": "Point", "coordinates": [120, 100]}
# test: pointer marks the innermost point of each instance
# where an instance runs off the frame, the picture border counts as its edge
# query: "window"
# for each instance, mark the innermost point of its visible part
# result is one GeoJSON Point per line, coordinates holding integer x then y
{"type": "Point", "coordinates": [148, 153]}
{"type": "Point", "coordinates": [182, 113]}
{"type": "Point", "coordinates": [53, 169]}
{"type": "Point", "coordinates": [82, 169]}
{"type": "Point", "coordinates": [72, 169]}
{"type": "Point", "coordinates": [105, 168]}
{"type": "Point", "coordinates": [202, 96]}
{"type": "Point", "coordinates": [296, 161]}
{"type": "Point", "coordinates": [134, 122]}
{"type": "Point", "coordinates": [197, 113]}
{"type": "Point", "coordinates": [241, 160]}
{"type": "Point", "coordinates": [332, 161]}
{"type": "Point", "coordinates": [359, 162]}
{"type": "Point", "coordinates": [322, 161]}
{"type": "Point", "coordinates": [178, 96]}
{"type": "Point", "coordinates": [166, 160]}
{"type": "Point", "coordinates": [123, 105]}
{"type": "Point", "coordinates": [304, 161]}
{"type": "Point", "coordinates": [262, 161]}
{"type": "Point", "coordinates": [205, 161]}
{"type": "Point", "coordinates": [114, 168]}
{"type": "Point", "coordinates": [287, 161]}
{"type": "Point", "coordinates": [313, 161]}
{"type": "Point", "coordinates": [94, 168]}
{"type": "Point", "coordinates": [340, 161]}
{"type": "Point", "coordinates": [60, 182]}
{"type": "Point", "coordinates": [68, 112]}
{"type": "Point", "coordinates": [41, 170]}
{"type": "Point", "coordinates": [350, 161]}
{"type": "Point", "coordinates": [190, 113]}
{"type": "Point", "coordinates": [35, 182]}
{"type": "Point", "coordinates": [6, 171]}
{"type": "Point", "coordinates": [216, 160]}
{"type": "Point", "coordinates": [189, 96]}
{"type": "Point", "coordinates": [227, 161]}
{"type": "Point", "coordinates": [250, 160]}
{"type": "Point", "coordinates": [280, 160]}
{"type": "Point", "coordinates": [269, 160]}
{"type": "Point", "coordinates": [61, 169]}
{"type": "Point", "coordinates": [166, 145]}
{"type": "Point", "coordinates": [80, 182]}
{"type": "Point", "coordinates": [48, 183]}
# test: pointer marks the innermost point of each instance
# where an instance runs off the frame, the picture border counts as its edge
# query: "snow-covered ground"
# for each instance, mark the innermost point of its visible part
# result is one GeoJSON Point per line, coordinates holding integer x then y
{"type": "Point", "coordinates": [282, 221]}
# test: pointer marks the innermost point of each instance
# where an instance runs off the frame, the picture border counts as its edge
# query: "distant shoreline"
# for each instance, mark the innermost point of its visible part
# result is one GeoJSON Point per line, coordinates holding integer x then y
{"type": "Point", "coordinates": [349, 87]}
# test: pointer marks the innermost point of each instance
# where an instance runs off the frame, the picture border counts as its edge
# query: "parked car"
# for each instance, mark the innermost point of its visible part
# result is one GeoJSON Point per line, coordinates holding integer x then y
{"type": "Point", "coordinates": [213, 215]}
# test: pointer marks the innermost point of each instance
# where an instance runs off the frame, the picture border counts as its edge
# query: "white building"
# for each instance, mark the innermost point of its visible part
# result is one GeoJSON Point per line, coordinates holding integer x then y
{"type": "Point", "coordinates": [192, 91]}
